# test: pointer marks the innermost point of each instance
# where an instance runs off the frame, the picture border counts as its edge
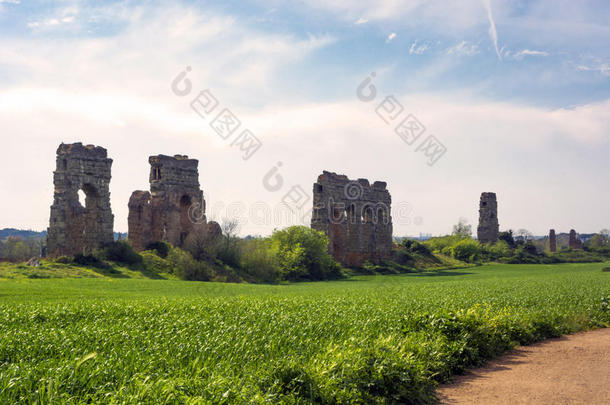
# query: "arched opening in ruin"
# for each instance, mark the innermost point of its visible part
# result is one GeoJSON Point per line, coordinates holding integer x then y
{"type": "Point", "coordinates": [367, 214]}
{"type": "Point", "coordinates": [381, 216]}
{"type": "Point", "coordinates": [82, 197]}
{"type": "Point", "coordinates": [89, 200]}
{"type": "Point", "coordinates": [156, 173]}
{"type": "Point", "coordinates": [350, 212]}
{"type": "Point", "coordinates": [185, 222]}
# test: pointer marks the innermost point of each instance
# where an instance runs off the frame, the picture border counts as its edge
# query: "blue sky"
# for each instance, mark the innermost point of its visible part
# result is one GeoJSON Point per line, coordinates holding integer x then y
{"type": "Point", "coordinates": [517, 92]}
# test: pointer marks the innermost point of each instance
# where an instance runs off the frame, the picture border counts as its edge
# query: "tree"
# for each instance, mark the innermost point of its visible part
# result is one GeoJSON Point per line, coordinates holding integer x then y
{"type": "Point", "coordinates": [462, 228]}
{"type": "Point", "coordinates": [257, 259]}
{"type": "Point", "coordinates": [301, 254]}
{"type": "Point", "coordinates": [599, 240]}
{"type": "Point", "coordinates": [507, 236]}
{"type": "Point", "coordinates": [524, 234]}
{"type": "Point", "coordinates": [229, 250]}
{"type": "Point", "coordinates": [202, 245]}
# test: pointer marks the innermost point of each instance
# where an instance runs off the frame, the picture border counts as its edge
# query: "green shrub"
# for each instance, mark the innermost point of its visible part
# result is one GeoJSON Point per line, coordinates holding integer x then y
{"type": "Point", "coordinates": [257, 260]}
{"type": "Point", "coordinates": [401, 256]}
{"type": "Point", "coordinates": [229, 254]}
{"type": "Point", "coordinates": [497, 251]}
{"type": "Point", "coordinates": [414, 246]}
{"type": "Point", "coordinates": [466, 250]}
{"type": "Point", "coordinates": [577, 256]}
{"type": "Point", "coordinates": [161, 248]}
{"type": "Point", "coordinates": [90, 261]}
{"type": "Point", "coordinates": [507, 237]}
{"type": "Point", "coordinates": [64, 259]}
{"type": "Point", "coordinates": [120, 252]}
{"type": "Point", "coordinates": [155, 263]}
{"type": "Point", "coordinates": [188, 268]}
{"type": "Point", "coordinates": [438, 244]}
{"type": "Point", "coordinates": [301, 254]}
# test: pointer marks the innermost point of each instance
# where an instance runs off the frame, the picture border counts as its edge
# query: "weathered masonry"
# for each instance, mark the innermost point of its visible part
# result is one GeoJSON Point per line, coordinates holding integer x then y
{"type": "Point", "coordinates": [174, 206]}
{"type": "Point", "coordinates": [75, 228]}
{"type": "Point", "coordinates": [574, 241]}
{"type": "Point", "coordinates": [552, 241]}
{"type": "Point", "coordinates": [488, 229]}
{"type": "Point", "coordinates": [356, 217]}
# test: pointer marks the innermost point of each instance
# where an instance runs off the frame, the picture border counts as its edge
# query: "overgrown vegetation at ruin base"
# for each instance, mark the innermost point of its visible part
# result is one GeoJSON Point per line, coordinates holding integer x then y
{"type": "Point", "coordinates": [370, 339]}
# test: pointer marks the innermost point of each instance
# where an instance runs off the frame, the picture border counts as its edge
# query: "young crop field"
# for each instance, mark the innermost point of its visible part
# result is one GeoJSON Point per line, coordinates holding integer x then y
{"type": "Point", "coordinates": [368, 339]}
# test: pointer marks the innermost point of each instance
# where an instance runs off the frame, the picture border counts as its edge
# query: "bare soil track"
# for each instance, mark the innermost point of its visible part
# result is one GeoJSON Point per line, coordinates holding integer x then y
{"type": "Point", "coordinates": [573, 369]}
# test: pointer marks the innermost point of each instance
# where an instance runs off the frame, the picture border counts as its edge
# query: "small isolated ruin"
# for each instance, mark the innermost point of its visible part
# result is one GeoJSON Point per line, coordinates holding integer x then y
{"type": "Point", "coordinates": [488, 229]}
{"type": "Point", "coordinates": [173, 208]}
{"type": "Point", "coordinates": [552, 241]}
{"type": "Point", "coordinates": [574, 242]}
{"type": "Point", "coordinates": [75, 226]}
{"type": "Point", "coordinates": [356, 217]}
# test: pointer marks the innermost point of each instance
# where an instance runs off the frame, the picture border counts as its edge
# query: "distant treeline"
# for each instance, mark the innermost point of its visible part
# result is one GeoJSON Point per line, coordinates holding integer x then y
{"type": "Point", "coordinates": [20, 244]}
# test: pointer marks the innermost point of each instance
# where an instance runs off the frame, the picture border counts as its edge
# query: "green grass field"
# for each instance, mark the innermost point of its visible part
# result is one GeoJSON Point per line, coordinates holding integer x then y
{"type": "Point", "coordinates": [368, 339]}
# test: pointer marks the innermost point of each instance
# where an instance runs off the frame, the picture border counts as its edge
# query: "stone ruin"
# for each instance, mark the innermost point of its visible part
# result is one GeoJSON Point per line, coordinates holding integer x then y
{"type": "Point", "coordinates": [488, 229]}
{"type": "Point", "coordinates": [574, 242]}
{"type": "Point", "coordinates": [75, 228]}
{"type": "Point", "coordinates": [355, 216]}
{"type": "Point", "coordinates": [173, 208]}
{"type": "Point", "coordinates": [552, 241]}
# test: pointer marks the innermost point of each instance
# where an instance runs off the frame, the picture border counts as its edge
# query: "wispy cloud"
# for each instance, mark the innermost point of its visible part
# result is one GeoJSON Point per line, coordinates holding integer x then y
{"type": "Point", "coordinates": [463, 49]}
{"type": "Point", "coordinates": [604, 69]}
{"type": "Point", "coordinates": [361, 20]}
{"type": "Point", "coordinates": [527, 52]}
{"type": "Point", "coordinates": [418, 49]}
{"type": "Point", "coordinates": [390, 37]}
{"type": "Point", "coordinates": [63, 16]}
{"type": "Point", "coordinates": [493, 34]}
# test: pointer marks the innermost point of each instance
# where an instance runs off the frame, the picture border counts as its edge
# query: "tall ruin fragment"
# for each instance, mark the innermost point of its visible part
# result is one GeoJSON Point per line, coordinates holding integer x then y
{"type": "Point", "coordinates": [552, 241]}
{"type": "Point", "coordinates": [356, 217]}
{"type": "Point", "coordinates": [574, 241]}
{"type": "Point", "coordinates": [488, 229]}
{"type": "Point", "coordinates": [174, 206]}
{"type": "Point", "coordinates": [74, 228]}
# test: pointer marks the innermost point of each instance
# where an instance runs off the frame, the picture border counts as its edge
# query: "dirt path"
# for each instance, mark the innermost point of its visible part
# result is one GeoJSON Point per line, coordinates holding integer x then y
{"type": "Point", "coordinates": [573, 369]}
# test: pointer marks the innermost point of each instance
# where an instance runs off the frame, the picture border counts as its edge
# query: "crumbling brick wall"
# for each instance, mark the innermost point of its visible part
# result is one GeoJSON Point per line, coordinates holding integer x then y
{"type": "Point", "coordinates": [74, 228]}
{"type": "Point", "coordinates": [488, 229]}
{"type": "Point", "coordinates": [172, 209]}
{"type": "Point", "coordinates": [356, 217]}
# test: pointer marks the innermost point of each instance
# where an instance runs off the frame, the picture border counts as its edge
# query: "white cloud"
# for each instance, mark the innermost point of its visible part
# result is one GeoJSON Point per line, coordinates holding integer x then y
{"type": "Point", "coordinates": [63, 16]}
{"type": "Point", "coordinates": [391, 37]}
{"type": "Point", "coordinates": [493, 34]}
{"type": "Point", "coordinates": [603, 68]}
{"type": "Point", "coordinates": [463, 49]}
{"type": "Point", "coordinates": [527, 52]}
{"type": "Point", "coordinates": [361, 20]}
{"type": "Point", "coordinates": [418, 49]}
